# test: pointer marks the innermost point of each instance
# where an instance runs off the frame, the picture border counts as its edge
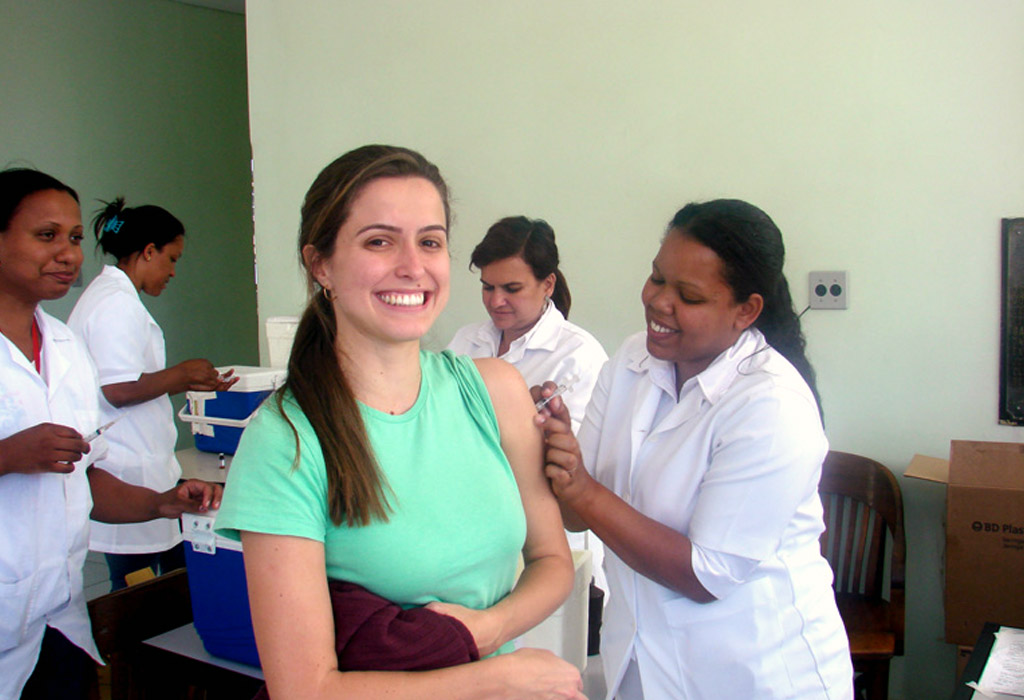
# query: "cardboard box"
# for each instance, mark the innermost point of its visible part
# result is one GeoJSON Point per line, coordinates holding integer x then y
{"type": "Point", "coordinates": [984, 534]}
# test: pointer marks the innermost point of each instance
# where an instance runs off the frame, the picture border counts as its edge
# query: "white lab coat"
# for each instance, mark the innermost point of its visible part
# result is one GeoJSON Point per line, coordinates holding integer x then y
{"type": "Point", "coordinates": [125, 342]}
{"type": "Point", "coordinates": [734, 465]}
{"type": "Point", "coordinates": [44, 518]}
{"type": "Point", "coordinates": [554, 350]}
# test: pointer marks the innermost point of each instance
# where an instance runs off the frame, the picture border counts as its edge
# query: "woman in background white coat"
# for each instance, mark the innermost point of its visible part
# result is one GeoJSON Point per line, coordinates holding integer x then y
{"type": "Point", "coordinates": [701, 453]}
{"type": "Point", "coordinates": [127, 347]}
{"type": "Point", "coordinates": [528, 300]}
{"type": "Point", "coordinates": [51, 477]}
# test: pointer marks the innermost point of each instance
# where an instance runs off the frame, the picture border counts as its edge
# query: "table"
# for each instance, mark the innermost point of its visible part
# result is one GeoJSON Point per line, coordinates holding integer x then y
{"type": "Point", "coordinates": [202, 465]}
{"type": "Point", "coordinates": [175, 663]}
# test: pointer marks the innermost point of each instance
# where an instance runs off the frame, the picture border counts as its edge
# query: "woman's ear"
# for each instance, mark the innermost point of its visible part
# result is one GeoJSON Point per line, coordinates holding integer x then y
{"type": "Point", "coordinates": [313, 261]}
{"type": "Point", "coordinates": [748, 311]}
{"type": "Point", "coordinates": [548, 285]}
{"type": "Point", "coordinates": [149, 251]}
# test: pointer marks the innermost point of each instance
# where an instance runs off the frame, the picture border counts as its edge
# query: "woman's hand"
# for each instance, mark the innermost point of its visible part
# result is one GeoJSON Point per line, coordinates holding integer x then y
{"type": "Point", "coordinates": [192, 496]}
{"type": "Point", "coordinates": [190, 375]}
{"type": "Point", "coordinates": [201, 375]}
{"type": "Point", "coordinates": [563, 462]}
{"type": "Point", "coordinates": [42, 449]}
{"type": "Point", "coordinates": [485, 630]}
{"type": "Point", "coordinates": [537, 674]}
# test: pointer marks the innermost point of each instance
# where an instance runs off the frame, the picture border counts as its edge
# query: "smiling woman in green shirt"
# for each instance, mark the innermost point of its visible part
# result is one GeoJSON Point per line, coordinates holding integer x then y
{"type": "Point", "coordinates": [390, 467]}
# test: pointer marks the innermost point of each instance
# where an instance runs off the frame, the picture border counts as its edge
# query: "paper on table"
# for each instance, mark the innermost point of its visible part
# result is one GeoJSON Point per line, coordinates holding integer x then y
{"type": "Point", "coordinates": [1004, 670]}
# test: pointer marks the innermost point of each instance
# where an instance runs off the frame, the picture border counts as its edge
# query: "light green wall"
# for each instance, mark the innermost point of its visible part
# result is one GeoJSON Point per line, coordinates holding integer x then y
{"type": "Point", "coordinates": [145, 99]}
{"type": "Point", "coordinates": [884, 137]}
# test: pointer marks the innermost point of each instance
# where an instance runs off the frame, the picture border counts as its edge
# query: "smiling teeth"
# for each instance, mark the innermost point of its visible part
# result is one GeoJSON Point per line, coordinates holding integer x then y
{"type": "Point", "coordinates": [402, 299]}
{"type": "Point", "coordinates": [658, 328]}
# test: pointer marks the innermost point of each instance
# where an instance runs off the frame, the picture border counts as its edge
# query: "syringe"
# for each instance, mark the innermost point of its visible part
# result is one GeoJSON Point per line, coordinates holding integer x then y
{"type": "Point", "coordinates": [559, 390]}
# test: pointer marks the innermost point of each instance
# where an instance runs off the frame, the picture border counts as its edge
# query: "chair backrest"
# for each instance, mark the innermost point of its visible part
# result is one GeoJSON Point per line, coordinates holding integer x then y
{"type": "Point", "coordinates": [138, 612]}
{"type": "Point", "coordinates": [862, 503]}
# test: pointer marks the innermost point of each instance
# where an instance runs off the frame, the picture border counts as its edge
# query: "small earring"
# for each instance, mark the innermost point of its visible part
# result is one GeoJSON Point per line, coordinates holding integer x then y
{"type": "Point", "coordinates": [328, 294]}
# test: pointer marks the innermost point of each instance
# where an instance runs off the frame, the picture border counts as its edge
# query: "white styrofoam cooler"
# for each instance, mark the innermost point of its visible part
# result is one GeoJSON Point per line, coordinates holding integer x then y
{"type": "Point", "coordinates": [280, 334]}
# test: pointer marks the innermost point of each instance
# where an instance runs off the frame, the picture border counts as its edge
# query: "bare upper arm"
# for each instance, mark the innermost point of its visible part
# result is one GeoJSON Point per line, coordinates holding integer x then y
{"type": "Point", "coordinates": [522, 442]}
{"type": "Point", "coordinates": [291, 612]}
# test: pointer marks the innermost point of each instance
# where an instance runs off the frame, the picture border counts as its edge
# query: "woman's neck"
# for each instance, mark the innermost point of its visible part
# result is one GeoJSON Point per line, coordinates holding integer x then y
{"type": "Point", "coordinates": [510, 336]}
{"type": "Point", "coordinates": [384, 378]}
{"type": "Point", "coordinates": [130, 267]}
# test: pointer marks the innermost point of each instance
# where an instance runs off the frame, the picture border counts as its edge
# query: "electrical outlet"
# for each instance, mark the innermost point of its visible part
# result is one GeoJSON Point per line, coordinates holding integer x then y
{"type": "Point", "coordinates": [827, 290]}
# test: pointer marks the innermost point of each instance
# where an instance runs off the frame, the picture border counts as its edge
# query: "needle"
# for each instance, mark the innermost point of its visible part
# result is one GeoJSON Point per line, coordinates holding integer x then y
{"type": "Point", "coordinates": [102, 429]}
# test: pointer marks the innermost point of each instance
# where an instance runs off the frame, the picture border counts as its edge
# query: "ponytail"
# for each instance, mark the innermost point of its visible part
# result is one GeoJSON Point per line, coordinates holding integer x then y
{"type": "Point", "coordinates": [123, 231]}
{"type": "Point", "coordinates": [355, 492]}
{"type": "Point", "coordinates": [560, 297]}
{"type": "Point", "coordinates": [780, 326]}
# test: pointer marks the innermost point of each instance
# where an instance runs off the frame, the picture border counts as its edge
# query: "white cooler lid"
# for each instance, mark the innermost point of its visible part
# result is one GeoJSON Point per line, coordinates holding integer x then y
{"type": "Point", "coordinates": [256, 378]}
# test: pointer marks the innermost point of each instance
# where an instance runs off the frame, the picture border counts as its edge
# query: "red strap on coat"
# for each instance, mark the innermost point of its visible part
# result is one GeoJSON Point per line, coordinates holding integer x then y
{"type": "Point", "coordinates": [37, 347]}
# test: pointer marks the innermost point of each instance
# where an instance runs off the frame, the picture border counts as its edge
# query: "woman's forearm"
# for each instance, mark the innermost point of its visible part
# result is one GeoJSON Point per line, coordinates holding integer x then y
{"type": "Point", "coordinates": [544, 585]}
{"type": "Point", "coordinates": [645, 545]}
{"type": "Point", "coordinates": [146, 388]}
{"type": "Point", "coordinates": [294, 628]}
{"type": "Point", "coordinates": [528, 673]}
{"type": "Point", "coordinates": [197, 375]}
{"type": "Point", "coordinates": [115, 501]}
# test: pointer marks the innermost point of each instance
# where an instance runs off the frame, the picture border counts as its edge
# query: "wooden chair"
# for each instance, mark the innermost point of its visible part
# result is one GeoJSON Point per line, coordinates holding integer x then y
{"type": "Point", "coordinates": [864, 540]}
{"type": "Point", "coordinates": [121, 620]}
{"type": "Point", "coordinates": [124, 619]}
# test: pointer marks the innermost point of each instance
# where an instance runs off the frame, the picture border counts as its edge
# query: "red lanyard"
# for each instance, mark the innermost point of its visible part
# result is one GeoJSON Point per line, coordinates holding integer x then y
{"type": "Point", "coordinates": [37, 347]}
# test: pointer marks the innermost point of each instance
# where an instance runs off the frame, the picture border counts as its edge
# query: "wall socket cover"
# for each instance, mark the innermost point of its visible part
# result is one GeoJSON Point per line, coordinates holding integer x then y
{"type": "Point", "coordinates": [827, 290]}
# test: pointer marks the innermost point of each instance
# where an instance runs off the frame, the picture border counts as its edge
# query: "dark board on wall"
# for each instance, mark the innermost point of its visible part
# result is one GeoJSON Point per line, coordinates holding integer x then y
{"type": "Point", "coordinates": [1011, 365]}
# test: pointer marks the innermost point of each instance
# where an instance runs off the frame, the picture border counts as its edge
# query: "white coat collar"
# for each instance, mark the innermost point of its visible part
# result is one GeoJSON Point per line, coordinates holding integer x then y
{"type": "Point", "coordinates": [56, 336]}
{"type": "Point", "coordinates": [713, 381]}
{"type": "Point", "coordinates": [119, 277]}
{"type": "Point", "coordinates": [543, 336]}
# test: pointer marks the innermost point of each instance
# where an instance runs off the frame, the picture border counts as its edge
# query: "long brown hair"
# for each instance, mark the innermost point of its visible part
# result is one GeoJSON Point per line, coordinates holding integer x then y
{"type": "Point", "coordinates": [355, 485]}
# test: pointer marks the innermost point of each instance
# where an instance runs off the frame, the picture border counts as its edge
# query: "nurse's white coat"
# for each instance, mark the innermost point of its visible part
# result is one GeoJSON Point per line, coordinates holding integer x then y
{"type": "Point", "coordinates": [44, 518]}
{"type": "Point", "coordinates": [734, 465]}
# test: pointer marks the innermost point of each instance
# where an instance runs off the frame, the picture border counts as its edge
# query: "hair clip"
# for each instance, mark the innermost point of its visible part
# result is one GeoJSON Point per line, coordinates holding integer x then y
{"type": "Point", "coordinates": [113, 225]}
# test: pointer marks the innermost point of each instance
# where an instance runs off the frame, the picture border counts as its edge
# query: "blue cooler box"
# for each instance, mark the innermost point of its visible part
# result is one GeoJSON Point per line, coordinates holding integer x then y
{"type": "Point", "coordinates": [220, 599]}
{"type": "Point", "coordinates": [218, 417]}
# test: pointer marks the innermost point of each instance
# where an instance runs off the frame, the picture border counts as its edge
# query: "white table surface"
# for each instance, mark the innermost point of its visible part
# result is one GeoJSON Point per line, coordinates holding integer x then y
{"type": "Point", "coordinates": [202, 465]}
{"type": "Point", "coordinates": [185, 641]}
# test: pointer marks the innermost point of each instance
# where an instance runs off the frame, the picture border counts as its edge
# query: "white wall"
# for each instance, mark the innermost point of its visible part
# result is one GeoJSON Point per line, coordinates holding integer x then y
{"type": "Point", "coordinates": [885, 138]}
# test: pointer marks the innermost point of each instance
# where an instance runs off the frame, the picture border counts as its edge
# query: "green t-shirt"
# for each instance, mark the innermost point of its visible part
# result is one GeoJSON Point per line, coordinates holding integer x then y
{"type": "Point", "coordinates": [456, 524]}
